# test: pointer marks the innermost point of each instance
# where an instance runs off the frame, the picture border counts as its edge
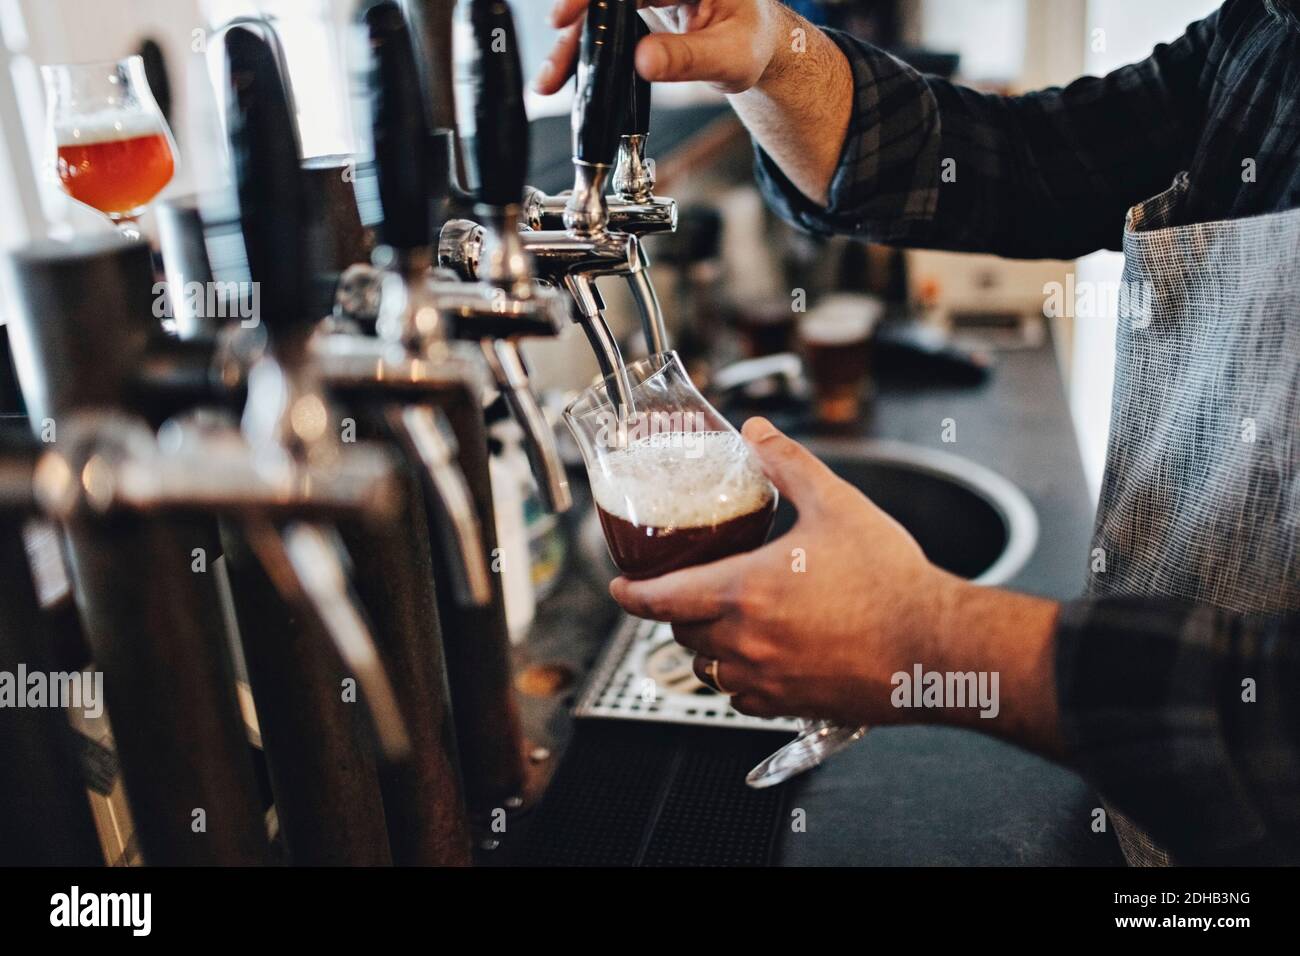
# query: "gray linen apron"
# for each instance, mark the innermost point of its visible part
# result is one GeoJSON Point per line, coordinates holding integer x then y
{"type": "Point", "coordinates": [1201, 496]}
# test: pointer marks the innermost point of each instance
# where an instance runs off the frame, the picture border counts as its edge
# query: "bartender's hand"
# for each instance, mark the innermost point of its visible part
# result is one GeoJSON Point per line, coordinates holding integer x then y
{"type": "Point", "coordinates": [728, 43]}
{"type": "Point", "coordinates": [818, 621]}
{"type": "Point", "coordinates": [787, 80]}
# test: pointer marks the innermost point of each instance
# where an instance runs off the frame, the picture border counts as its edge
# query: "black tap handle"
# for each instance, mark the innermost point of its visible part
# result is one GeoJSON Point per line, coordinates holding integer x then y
{"type": "Point", "coordinates": [264, 150]}
{"type": "Point", "coordinates": [605, 68]}
{"type": "Point", "coordinates": [500, 121]}
{"type": "Point", "coordinates": [639, 118]}
{"type": "Point", "coordinates": [400, 128]}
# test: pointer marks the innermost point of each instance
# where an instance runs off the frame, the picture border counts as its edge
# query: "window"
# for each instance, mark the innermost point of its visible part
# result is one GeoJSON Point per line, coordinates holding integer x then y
{"type": "Point", "coordinates": [316, 35]}
{"type": "Point", "coordinates": [988, 34]}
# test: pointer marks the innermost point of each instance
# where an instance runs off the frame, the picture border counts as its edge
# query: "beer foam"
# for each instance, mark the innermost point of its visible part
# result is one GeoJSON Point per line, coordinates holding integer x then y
{"type": "Point", "coordinates": [841, 320]}
{"type": "Point", "coordinates": [682, 480]}
{"type": "Point", "coordinates": [106, 126]}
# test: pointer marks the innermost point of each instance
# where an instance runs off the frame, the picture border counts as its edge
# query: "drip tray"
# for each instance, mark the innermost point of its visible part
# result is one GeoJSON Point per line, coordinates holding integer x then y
{"type": "Point", "coordinates": [644, 675]}
{"type": "Point", "coordinates": [642, 794]}
{"type": "Point", "coordinates": [654, 772]}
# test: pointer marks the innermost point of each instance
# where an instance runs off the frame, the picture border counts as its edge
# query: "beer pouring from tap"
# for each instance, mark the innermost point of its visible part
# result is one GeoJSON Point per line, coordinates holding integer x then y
{"type": "Point", "coordinates": [632, 209]}
{"type": "Point", "coordinates": [586, 249]}
{"type": "Point", "coordinates": [634, 184]}
{"type": "Point", "coordinates": [605, 67]}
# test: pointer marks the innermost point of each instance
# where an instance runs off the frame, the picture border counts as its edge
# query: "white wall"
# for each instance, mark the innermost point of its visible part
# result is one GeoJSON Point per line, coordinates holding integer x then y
{"type": "Point", "coordinates": [72, 31]}
{"type": "Point", "coordinates": [989, 35]}
{"type": "Point", "coordinates": [20, 208]}
{"type": "Point", "coordinates": [79, 31]}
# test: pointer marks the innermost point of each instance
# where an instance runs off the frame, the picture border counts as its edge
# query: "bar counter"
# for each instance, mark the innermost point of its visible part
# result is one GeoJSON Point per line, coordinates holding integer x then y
{"type": "Point", "coordinates": [902, 796]}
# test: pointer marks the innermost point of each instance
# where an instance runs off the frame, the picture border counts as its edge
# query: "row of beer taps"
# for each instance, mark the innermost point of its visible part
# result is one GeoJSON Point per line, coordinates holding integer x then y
{"type": "Point", "coordinates": [339, 466]}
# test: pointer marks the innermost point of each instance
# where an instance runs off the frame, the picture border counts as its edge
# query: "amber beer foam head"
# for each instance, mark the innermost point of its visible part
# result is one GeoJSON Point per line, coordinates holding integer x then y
{"type": "Point", "coordinates": [107, 126]}
{"type": "Point", "coordinates": [701, 481]}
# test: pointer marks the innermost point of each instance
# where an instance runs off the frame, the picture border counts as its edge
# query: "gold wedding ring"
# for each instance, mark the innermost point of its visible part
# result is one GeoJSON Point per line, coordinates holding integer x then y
{"type": "Point", "coordinates": [711, 677]}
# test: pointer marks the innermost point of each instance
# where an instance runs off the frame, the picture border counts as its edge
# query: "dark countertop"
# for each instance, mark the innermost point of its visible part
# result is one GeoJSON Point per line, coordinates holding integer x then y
{"type": "Point", "coordinates": [914, 795]}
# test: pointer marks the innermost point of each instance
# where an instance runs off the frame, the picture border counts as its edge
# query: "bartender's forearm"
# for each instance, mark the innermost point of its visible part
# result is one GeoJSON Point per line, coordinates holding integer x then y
{"type": "Point", "coordinates": [799, 110]}
{"type": "Point", "coordinates": [987, 630]}
{"type": "Point", "coordinates": [928, 163]}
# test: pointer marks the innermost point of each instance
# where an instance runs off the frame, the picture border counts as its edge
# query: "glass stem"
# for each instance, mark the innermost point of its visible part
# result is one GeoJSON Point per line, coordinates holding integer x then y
{"type": "Point", "coordinates": [128, 227]}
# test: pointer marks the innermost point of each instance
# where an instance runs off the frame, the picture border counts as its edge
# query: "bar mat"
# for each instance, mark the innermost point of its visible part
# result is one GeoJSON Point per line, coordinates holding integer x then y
{"type": "Point", "coordinates": [631, 794]}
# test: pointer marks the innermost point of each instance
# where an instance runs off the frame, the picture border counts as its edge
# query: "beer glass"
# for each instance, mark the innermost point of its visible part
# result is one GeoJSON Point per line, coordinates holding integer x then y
{"type": "Point", "coordinates": [675, 485]}
{"type": "Point", "coordinates": [836, 340]}
{"type": "Point", "coordinates": [108, 144]}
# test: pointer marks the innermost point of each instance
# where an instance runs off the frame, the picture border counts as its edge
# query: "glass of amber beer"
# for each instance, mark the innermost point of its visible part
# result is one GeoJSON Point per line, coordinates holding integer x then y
{"type": "Point", "coordinates": [675, 485]}
{"type": "Point", "coordinates": [109, 144]}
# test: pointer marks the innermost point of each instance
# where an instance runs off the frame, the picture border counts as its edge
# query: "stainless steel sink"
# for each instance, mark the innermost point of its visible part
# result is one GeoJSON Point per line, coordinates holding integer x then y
{"type": "Point", "coordinates": [968, 519]}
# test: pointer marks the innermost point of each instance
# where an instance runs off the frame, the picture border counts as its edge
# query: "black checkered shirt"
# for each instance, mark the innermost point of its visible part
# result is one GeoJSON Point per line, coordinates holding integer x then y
{"type": "Point", "coordinates": [1051, 174]}
{"type": "Point", "coordinates": [1187, 718]}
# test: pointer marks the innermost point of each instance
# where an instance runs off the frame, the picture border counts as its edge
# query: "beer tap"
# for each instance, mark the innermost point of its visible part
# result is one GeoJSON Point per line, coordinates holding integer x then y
{"type": "Point", "coordinates": [634, 185]}
{"type": "Point", "coordinates": [414, 347]}
{"type": "Point", "coordinates": [501, 146]}
{"type": "Point", "coordinates": [586, 250]}
{"type": "Point", "coordinates": [45, 816]}
{"type": "Point", "coordinates": [397, 392]}
{"type": "Point", "coordinates": [422, 796]}
{"type": "Point", "coordinates": [81, 324]}
{"type": "Point", "coordinates": [323, 771]}
{"type": "Point", "coordinates": [415, 358]}
{"type": "Point", "coordinates": [633, 207]}
{"type": "Point", "coordinates": [507, 305]}
{"type": "Point", "coordinates": [432, 24]}
{"type": "Point", "coordinates": [126, 495]}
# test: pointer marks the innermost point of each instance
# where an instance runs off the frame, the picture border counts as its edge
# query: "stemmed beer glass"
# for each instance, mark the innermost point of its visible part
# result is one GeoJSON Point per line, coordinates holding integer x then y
{"type": "Point", "coordinates": [675, 485]}
{"type": "Point", "coordinates": [108, 144]}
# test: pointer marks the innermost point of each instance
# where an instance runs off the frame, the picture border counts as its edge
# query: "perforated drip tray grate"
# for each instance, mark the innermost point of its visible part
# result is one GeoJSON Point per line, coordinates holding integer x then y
{"type": "Point", "coordinates": [643, 674]}
{"type": "Point", "coordinates": [642, 794]}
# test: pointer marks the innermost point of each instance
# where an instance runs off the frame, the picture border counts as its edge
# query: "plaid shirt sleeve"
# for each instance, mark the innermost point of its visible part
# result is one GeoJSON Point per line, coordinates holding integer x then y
{"type": "Point", "coordinates": [1187, 719]}
{"type": "Point", "coordinates": [930, 164]}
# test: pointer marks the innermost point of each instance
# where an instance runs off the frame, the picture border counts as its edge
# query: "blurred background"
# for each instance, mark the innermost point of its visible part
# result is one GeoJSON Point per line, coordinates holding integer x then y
{"type": "Point", "coordinates": [728, 243]}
